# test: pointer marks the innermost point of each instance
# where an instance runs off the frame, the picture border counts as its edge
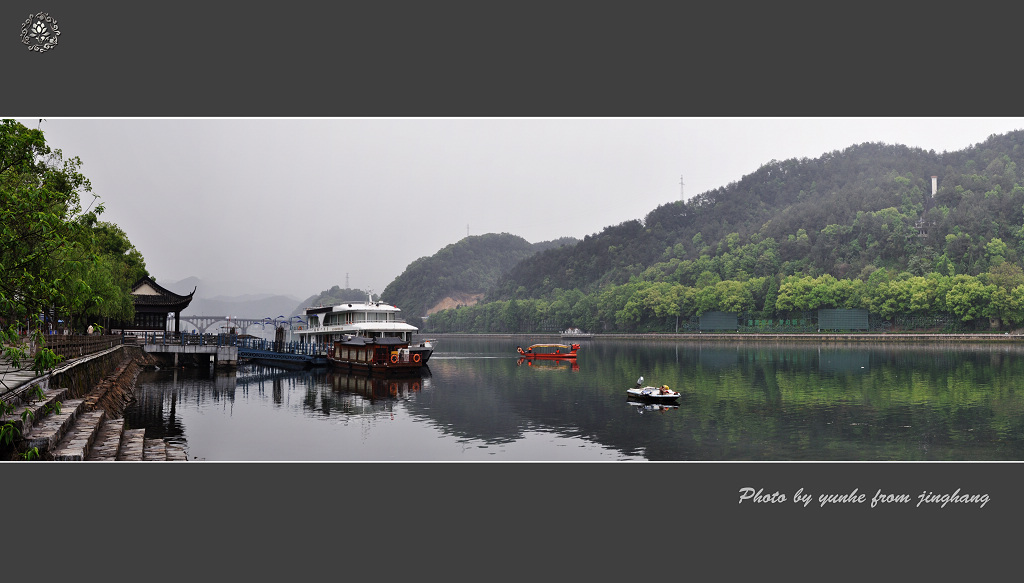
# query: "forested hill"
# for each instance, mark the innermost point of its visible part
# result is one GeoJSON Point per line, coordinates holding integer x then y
{"type": "Point", "coordinates": [330, 297]}
{"type": "Point", "coordinates": [846, 214]}
{"type": "Point", "coordinates": [460, 273]}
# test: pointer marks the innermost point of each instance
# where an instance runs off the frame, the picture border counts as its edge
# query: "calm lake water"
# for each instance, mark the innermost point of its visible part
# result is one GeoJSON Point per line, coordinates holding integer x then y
{"type": "Point", "coordinates": [740, 401]}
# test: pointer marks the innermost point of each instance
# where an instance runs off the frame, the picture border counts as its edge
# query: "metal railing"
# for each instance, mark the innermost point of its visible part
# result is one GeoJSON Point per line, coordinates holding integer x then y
{"type": "Point", "coordinates": [76, 345]}
{"type": "Point", "coordinates": [184, 338]}
{"type": "Point", "coordinates": [243, 343]}
{"type": "Point", "coordinates": [303, 348]}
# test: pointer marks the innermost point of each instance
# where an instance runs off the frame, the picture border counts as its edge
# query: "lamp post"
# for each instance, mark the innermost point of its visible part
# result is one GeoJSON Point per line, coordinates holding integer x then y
{"type": "Point", "coordinates": [290, 328]}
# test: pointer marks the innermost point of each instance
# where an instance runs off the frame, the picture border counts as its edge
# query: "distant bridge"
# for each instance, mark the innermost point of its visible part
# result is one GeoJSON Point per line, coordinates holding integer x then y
{"type": "Point", "coordinates": [214, 324]}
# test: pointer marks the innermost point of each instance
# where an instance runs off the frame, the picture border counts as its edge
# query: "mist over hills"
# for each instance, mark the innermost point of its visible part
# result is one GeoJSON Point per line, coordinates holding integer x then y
{"type": "Point", "coordinates": [211, 299]}
{"type": "Point", "coordinates": [459, 273]}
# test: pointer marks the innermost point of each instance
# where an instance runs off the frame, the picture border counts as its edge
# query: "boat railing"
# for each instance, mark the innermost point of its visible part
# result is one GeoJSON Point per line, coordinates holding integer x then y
{"type": "Point", "coordinates": [330, 327]}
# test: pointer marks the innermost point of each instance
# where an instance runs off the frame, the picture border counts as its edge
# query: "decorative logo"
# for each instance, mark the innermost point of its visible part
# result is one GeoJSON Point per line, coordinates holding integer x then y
{"type": "Point", "coordinates": [39, 32]}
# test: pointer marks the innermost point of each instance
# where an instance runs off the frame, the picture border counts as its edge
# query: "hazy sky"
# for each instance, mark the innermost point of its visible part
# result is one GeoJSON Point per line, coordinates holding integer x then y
{"type": "Point", "coordinates": [293, 205]}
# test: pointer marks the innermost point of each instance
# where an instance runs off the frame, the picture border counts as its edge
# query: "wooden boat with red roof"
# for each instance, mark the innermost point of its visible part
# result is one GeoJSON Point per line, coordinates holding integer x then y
{"type": "Point", "coordinates": [550, 351]}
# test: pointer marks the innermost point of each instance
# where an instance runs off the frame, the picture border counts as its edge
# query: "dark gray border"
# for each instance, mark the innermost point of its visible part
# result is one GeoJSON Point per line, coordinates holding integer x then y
{"type": "Point", "coordinates": [308, 519]}
{"type": "Point", "coordinates": [119, 58]}
{"type": "Point", "coordinates": [471, 58]}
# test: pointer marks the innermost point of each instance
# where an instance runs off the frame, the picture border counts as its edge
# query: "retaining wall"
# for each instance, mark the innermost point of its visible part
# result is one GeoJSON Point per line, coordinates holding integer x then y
{"type": "Point", "coordinates": [81, 375]}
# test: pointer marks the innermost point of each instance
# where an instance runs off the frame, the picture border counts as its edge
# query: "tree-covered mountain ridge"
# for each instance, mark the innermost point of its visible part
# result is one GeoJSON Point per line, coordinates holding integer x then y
{"type": "Point", "coordinates": [460, 273]}
{"type": "Point", "coordinates": [865, 215]}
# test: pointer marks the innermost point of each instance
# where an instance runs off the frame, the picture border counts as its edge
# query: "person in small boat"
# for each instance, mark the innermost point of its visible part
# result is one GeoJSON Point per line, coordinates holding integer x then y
{"type": "Point", "coordinates": [665, 390]}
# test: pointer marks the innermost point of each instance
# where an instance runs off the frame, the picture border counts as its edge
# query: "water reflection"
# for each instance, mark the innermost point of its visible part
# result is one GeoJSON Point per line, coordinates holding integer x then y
{"type": "Point", "coordinates": [550, 364]}
{"type": "Point", "coordinates": [327, 392]}
{"type": "Point", "coordinates": [642, 407]}
{"type": "Point", "coordinates": [373, 388]}
{"type": "Point", "coordinates": [160, 394]}
{"type": "Point", "coordinates": [754, 401]}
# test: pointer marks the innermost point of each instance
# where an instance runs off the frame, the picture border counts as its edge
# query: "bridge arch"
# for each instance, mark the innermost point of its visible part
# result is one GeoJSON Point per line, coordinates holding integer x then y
{"type": "Point", "coordinates": [214, 324]}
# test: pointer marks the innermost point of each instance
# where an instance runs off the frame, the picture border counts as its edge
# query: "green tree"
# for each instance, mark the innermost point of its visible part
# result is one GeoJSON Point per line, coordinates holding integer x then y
{"type": "Point", "coordinates": [103, 264]}
{"type": "Point", "coordinates": [969, 299]}
{"type": "Point", "coordinates": [794, 293]}
{"type": "Point", "coordinates": [995, 251]}
{"type": "Point", "coordinates": [734, 296]}
{"type": "Point", "coordinates": [1015, 313]}
{"type": "Point", "coordinates": [39, 229]}
{"type": "Point", "coordinates": [39, 205]}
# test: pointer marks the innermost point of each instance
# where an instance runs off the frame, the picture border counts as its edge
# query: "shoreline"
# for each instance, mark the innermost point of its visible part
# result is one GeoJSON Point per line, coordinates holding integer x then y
{"type": "Point", "coordinates": [959, 338]}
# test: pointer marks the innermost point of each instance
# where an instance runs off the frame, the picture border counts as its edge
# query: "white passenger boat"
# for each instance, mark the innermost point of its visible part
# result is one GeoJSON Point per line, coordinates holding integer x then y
{"type": "Point", "coordinates": [326, 325]}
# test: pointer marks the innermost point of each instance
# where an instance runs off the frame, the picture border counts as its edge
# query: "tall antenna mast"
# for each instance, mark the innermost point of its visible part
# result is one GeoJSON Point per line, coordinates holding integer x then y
{"type": "Point", "coordinates": [681, 184]}
{"type": "Point", "coordinates": [346, 280]}
{"type": "Point", "coordinates": [467, 229]}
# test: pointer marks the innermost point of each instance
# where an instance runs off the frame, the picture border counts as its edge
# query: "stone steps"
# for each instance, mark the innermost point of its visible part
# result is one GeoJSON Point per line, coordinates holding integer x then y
{"type": "Point", "coordinates": [108, 440]}
{"type": "Point", "coordinates": [176, 452]}
{"type": "Point", "coordinates": [132, 445]}
{"type": "Point", "coordinates": [36, 411]}
{"type": "Point", "coordinates": [115, 443]}
{"type": "Point", "coordinates": [77, 442]}
{"type": "Point", "coordinates": [48, 431]}
{"type": "Point", "coordinates": [82, 429]}
{"type": "Point", "coordinates": [79, 434]}
{"type": "Point", "coordinates": [154, 449]}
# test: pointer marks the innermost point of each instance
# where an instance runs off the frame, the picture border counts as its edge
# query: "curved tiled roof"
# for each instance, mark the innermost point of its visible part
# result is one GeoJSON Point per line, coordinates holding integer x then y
{"type": "Point", "coordinates": [146, 293]}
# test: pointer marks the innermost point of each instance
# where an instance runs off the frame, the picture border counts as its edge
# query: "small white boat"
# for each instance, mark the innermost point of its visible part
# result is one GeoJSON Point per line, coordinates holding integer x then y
{"type": "Point", "coordinates": [575, 333]}
{"type": "Point", "coordinates": [662, 393]}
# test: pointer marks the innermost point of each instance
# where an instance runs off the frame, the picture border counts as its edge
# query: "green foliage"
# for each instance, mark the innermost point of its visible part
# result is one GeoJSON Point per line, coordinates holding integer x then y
{"type": "Point", "coordinates": [45, 359]}
{"type": "Point", "coordinates": [644, 306]}
{"type": "Point", "coordinates": [335, 295]}
{"type": "Point", "coordinates": [39, 202]}
{"type": "Point", "coordinates": [16, 351]}
{"type": "Point", "coordinates": [55, 257]}
{"type": "Point", "coordinates": [969, 298]}
{"type": "Point", "coordinates": [467, 268]}
{"type": "Point", "coordinates": [8, 433]}
{"type": "Point", "coordinates": [857, 228]}
{"type": "Point", "coordinates": [869, 205]}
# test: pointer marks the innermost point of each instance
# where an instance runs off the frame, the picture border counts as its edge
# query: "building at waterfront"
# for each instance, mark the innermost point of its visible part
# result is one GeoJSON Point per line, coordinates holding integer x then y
{"type": "Point", "coordinates": [153, 306]}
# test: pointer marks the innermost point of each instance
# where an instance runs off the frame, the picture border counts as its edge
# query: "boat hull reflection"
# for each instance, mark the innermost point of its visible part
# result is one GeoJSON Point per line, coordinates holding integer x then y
{"type": "Point", "coordinates": [644, 406]}
{"type": "Point", "coordinates": [374, 387]}
{"type": "Point", "coordinates": [550, 363]}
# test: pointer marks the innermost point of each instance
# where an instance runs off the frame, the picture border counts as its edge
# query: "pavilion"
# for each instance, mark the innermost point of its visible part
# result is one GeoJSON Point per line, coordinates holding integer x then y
{"type": "Point", "coordinates": [153, 303]}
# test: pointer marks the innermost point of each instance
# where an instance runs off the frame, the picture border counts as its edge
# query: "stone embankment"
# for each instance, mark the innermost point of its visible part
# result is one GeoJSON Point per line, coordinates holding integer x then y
{"type": "Point", "coordinates": [76, 413]}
